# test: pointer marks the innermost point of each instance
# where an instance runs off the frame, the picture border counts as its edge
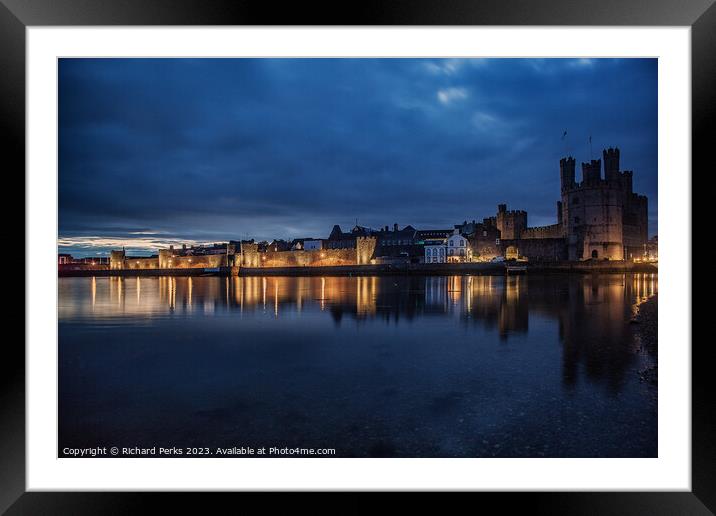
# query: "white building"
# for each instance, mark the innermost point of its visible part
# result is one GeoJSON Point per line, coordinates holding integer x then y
{"type": "Point", "coordinates": [435, 253]}
{"type": "Point", "coordinates": [458, 249]}
{"type": "Point", "coordinates": [455, 248]}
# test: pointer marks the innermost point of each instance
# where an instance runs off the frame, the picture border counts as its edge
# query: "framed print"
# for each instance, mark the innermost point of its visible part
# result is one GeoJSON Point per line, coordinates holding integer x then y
{"type": "Point", "coordinates": [268, 251]}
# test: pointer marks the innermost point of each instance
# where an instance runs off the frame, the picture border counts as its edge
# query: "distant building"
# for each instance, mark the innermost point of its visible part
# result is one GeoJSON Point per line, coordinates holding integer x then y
{"type": "Point", "coordinates": [454, 248]}
{"type": "Point", "coordinates": [279, 245]}
{"type": "Point", "coordinates": [338, 239]}
{"type": "Point", "coordinates": [435, 251]}
{"type": "Point", "coordinates": [312, 245]}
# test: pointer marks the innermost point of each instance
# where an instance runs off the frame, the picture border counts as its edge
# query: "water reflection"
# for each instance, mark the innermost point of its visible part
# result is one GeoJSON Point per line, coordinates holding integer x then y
{"type": "Point", "coordinates": [503, 302]}
{"type": "Point", "coordinates": [403, 366]}
{"type": "Point", "coordinates": [590, 311]}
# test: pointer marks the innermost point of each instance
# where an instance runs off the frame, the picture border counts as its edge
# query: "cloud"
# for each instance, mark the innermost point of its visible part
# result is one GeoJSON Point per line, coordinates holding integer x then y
{"type": "Point", "coordinates": [450, 95]}
{"type": "Point", "coordinates": [580, 63]}
{"type": "Point", "coordinates": [103, 244]}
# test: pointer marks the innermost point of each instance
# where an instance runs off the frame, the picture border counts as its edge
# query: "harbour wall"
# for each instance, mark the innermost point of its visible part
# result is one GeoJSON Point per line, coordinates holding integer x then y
{"type": "Point", "coordinates": [428, 269]}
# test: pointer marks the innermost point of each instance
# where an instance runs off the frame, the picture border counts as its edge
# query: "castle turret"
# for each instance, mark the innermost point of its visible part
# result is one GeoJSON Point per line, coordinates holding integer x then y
{"type": "Point", "coordinates": [611, 164]}
{"type": "Point", "coordinates": [592, 172]}
{"type": "Point", "coordinates": [566, 172]}
{"type": "Point", "coordinates": [628, 175]}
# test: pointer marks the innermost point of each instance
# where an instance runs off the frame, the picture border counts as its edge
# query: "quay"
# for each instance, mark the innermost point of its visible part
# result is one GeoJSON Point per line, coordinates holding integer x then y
{"type": "Point", "coordinates": [419, 269]}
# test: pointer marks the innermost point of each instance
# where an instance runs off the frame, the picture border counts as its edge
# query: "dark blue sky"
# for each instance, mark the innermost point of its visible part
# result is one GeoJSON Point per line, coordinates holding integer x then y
{"type": "Point", "coordinates": [153, 151]}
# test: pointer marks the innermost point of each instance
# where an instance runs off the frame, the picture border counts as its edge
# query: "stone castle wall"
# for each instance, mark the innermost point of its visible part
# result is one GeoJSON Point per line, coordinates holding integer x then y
{"type": "Point", "coordinates": [207, 261]}
{"type": "Point", "coordinates": [361, 255]}
{"type": "Point", "coordinates": [484, 249]}
{"type": "Point", "coordinates": [553, 231]}
{"type": "Point", "coordinates": [139, 263]}
{"type": "Point", "coordinates": [312, 258]}
{"type": "Point", "coordinates": [537, 249]}
{"type": "Point", "coordinates": [118, 261]}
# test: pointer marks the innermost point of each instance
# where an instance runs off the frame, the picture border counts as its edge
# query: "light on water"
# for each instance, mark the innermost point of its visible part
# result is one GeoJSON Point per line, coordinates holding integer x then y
{"type": "Point", "coordinates": [371, 366]}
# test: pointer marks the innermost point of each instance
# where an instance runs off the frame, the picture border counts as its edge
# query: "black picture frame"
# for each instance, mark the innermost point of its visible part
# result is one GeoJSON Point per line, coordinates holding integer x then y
{"type": "Point", "coordinates": [17, 15]}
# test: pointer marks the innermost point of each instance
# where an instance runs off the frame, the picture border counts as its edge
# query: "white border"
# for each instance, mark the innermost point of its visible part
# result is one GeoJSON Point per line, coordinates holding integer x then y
{"type": "Point", "coordinates": [672, 470]}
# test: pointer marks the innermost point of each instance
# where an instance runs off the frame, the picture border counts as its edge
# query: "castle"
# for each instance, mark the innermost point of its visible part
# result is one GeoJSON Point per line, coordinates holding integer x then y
{"type": "Point", "coordinates": [597, 218]}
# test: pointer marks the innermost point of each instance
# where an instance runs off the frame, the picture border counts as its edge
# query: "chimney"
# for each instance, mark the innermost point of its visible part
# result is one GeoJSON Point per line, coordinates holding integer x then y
{"type": "Point", "coordinates": [395, 227]}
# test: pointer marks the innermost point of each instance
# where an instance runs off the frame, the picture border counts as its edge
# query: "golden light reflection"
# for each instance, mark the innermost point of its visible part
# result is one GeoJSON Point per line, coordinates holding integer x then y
{"type": "Point", "coordinates": [275, 297]}
{"type": "Point", "coordinates": [494, 300]}
{"type": "Point", "coordinates": [323, 293]}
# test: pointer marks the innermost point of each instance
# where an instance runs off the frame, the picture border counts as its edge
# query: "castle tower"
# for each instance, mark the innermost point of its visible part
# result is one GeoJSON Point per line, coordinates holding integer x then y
{"type": "Point", "coordinates": [365, 247]}
{"type": "Point", "coordinates": [566, 173]}
{"type": "Point", "coordinates": [510, 223]}
{"type": "Point", "coordinates": [164, 257]}
{"type": "Point", "coordinates": [611, 164]}
{"type": "Point", "coordinates": [116, 259]}
{"type": "Point", "coordinates": [592, 211]}
{"type": "Point", "coordinates": [592, 172]}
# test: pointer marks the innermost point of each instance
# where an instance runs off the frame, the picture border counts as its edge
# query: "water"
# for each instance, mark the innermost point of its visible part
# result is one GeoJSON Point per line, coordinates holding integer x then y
{"type": "Point", "coordinates": [482, 366]}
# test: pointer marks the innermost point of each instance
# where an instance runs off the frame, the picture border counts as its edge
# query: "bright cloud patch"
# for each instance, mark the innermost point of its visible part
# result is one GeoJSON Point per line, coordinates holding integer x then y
{"type": "Point", "coordinates": [450, 95]}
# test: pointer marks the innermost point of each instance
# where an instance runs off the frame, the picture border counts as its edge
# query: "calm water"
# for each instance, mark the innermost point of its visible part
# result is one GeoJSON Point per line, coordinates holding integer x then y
{"type": "Point", "coordinates": [377, 366]}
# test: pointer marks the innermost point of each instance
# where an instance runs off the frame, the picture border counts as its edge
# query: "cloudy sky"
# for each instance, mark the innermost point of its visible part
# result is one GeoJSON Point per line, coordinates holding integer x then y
{"type": "Point", "coordinates": [158, 151]}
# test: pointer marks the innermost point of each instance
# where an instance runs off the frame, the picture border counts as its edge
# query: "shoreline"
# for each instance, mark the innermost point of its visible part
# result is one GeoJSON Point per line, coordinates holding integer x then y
{"type": "Point", "coordinates": [646, 331]}
{"type": "Point", "coordinates": [432, 269]}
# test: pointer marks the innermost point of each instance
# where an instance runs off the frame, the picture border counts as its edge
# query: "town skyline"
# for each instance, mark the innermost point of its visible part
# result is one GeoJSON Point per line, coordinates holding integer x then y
{"type": "Point", "coordinates": [283, 149]}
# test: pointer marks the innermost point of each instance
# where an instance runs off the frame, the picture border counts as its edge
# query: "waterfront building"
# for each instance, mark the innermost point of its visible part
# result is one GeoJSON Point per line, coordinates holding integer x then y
{"type": "Point", "coordinates": [435, 251]}
{"type": "Point", "coordinates": [454, 248]}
